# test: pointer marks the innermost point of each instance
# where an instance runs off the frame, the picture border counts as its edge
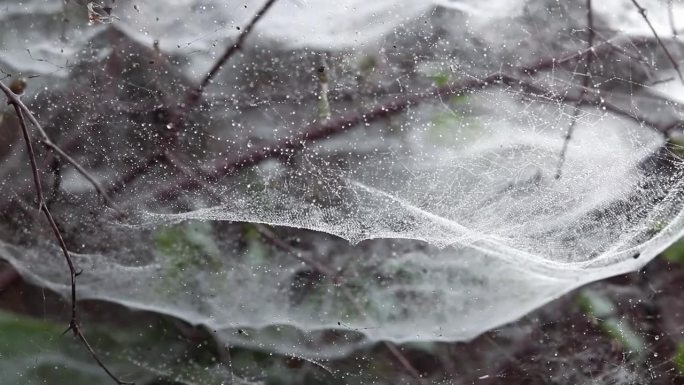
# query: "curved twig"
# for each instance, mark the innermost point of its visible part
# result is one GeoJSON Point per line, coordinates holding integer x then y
{"type": "Point", "coordinates": [74, 325]}
{"type": "Point", "coordinates": [642, 12]}
{"type": "Point", "coordinates": [47, 142]}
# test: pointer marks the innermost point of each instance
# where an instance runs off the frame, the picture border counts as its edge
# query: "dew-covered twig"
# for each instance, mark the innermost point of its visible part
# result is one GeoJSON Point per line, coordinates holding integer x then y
{"type": "Point", "coordinates": [547, 63]}
{"type": "Point", "coordinates": [274, 240]}
{"type": "Point", "coordinates": [336, 126]}
{"type": "Point", "coordinates": [586, 76]}
{"type": "Point", "coordinates": [47, 142]}
{"type": "Point", "coordinates": [74, 325]}
{"type": "Point", "coordinates": [181, 167]}
{"type": "Point", "coordinates": [333, 126]}
{"type": "Point", "coordinates": [192, 99]}
{"type": "Point", "coordinates": [135, 172]}
{"type": "Point", "coordinates": [590, 98]}
{"type": "Point", "coordinates": [642, 11]}
{"type": "Point", "coordinates": [234, 47]}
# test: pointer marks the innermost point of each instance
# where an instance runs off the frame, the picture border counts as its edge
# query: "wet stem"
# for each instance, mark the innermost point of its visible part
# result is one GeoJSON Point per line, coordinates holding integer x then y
{"type": "Point", "coordinates": [74, 325]}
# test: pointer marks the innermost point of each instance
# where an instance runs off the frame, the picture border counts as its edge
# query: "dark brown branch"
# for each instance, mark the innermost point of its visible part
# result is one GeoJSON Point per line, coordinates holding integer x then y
{"type": "Point", "coordinates": [642, 11]}
{"type": "Point", "coordinates": [186, 171]}
{"type": "Point", "coordinates": [341, 124]}
{"type": "Point", "coordinates": [590, 98]}
{"type": "Point", "coordinates": [273, 239]}
{"type": "Point", "coordinates": [588, 60]}
{"type": "Point", "coordinates": [571, 58]}
{"type": "Point", "coordinates": [405, 362]}
{"type": "Point", "coordinates": [636, 56]}
{"type": "Point", "coordinates": [192, 99]}
{"type": "Point", "coordinates": [47, 142]}
{"type": "Point", "coordinates": [135, 172]}
{"type": "Point", "coordinates": [233, 48]}
{"type": "Point", "coordinates": [335, 126]}
{"type": "Point", "coordinates": [40, 197]}
{"type": "Point", "coordinates": [322, 130]}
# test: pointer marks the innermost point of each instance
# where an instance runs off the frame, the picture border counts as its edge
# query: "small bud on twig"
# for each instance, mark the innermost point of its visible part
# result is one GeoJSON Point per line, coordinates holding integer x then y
{"type": "Point", "coordinates": [18, 85]}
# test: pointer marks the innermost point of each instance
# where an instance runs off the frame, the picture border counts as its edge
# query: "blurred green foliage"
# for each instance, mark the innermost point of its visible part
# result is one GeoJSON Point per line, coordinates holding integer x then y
{"type": "Point", "coordinates": [675, 253]}
{"type": "Point", "coordinates": [603, 312]}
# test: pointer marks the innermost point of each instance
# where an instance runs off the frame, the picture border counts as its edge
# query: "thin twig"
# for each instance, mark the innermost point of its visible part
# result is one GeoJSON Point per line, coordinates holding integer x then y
{"type": "Point", "coordinates": [590, 98]}
{"type": "Point", "coordinates": [234, 47]}
{"type": "Point", "coordinates": [391, 347]}
{"type": "Point", "coordinates": [642, 11]}
{"type": "Point", "coordinates": [336, 126]}
{"type": "Point", "coordinates": [192, 99]}
{"type": "Point", "coordinates": [47, 142]}
{"type": "Point", "coordinates": [135, 172]}
{"type": "Point", "coordinates": [74, 326]}
{"type": "Point", "coordinates": [567, 59]}
{"type": "Point", "coordinates": [636, 56]}
{"type": "Point", "coordinates": [274, 240]}
{"type": "Point", "coordinates": [181, 167]}
{"type": "Point", "coordinates": [588, 59]}
{"type": "Point", "coordinates": [568, 136]}
{"type": "Point", "coordinates": [405, 362]}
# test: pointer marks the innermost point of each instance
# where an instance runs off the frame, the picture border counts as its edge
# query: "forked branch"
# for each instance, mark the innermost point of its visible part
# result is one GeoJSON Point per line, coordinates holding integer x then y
{"type": "Point", "coordinates": [671, 58]}
{"type": "Point", "coordinates": [191, 100]}
{"type": "Point", "coordinates": [74, 326]}
{"type": "Point", "coordinates": [230, 51]}
{"type": "Point", "coordinates": [14, 99]}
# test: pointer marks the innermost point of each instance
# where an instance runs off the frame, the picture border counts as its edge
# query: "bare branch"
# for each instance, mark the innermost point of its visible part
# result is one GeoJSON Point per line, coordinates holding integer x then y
{"type": "Point", "coordinates": [320, 130]}
{"type": "Point", "coordinates": [46, 141]}
{"type": "Point", "coordinates": [179, 165]}
{"type": "Point", "coordinates": [234, 48]}
{"type": "Point", "coordinates": [642, 11]}
{"type": "Point", "coordinates": [273, 239]}
{"type": "Point", "coordinates": [570, 58]}
{"type": "Point", "coordinates": [74, 326]}
{"type": "Point", "coordinates": [136, 172]}
{"type": "Point", "coordinates": [335, 126]}
{"type": "Point", "coordinates": [191, 100]}
{"type": "Point", "coordinates": [588, 60]}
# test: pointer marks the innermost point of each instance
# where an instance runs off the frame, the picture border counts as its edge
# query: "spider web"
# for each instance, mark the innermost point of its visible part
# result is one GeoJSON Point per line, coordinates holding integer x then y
{"type": "Point", "coordinates": [436, 224]}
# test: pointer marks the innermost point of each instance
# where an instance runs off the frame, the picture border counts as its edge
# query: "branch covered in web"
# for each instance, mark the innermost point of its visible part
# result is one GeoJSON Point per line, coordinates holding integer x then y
{"type": "Point", "coordinates": [586, 77]}
{"type": "Point", "coordinates": [642, 12]}
{"type": "Point", "coordinates": [192, 99]}
{"type": "Point", "coordinates": [337, 125]}
{"type": "Point", "coordinates": [322, 130]}
{"type": "Point", "coordinates": [74, 326]}
{"type": "Point", "coordinates": [223, 59]}
{"type": "Point", "coordinates": [47, 142]}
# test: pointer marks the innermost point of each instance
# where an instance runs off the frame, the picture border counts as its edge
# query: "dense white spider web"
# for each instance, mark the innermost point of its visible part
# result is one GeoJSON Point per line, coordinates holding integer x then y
{"type": "Point", "coordinates": [452, 219]}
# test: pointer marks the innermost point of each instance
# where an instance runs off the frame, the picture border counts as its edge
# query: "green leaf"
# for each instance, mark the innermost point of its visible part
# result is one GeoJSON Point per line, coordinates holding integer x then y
{"type": "Point", "coordinates": [678, 358]}
{"type": "Point", "coordinates": [603, 312]}
{"type": "Point", "coordinates": [675, 253]}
